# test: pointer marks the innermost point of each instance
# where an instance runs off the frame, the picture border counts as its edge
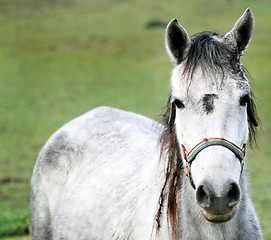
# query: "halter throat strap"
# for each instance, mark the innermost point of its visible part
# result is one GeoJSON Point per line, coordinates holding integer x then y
{"type": "Point", "coordinates": [207, 142]}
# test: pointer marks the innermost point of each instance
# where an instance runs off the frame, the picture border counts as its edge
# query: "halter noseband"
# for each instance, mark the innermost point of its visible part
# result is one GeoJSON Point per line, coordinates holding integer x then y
{"type": "Point", "coordinates": [207, 142]}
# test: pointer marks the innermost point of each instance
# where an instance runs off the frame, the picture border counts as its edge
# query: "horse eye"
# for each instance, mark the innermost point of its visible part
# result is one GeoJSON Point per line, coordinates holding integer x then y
{"type": "Point", "coordinates": [244, 100]}
{"type": "Point", "coordinates": [179, 104]}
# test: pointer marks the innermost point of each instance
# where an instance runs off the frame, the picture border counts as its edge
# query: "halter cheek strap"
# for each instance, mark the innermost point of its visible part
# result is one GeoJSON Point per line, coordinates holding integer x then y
{"type": "Point", "coordinates": [207, 142]}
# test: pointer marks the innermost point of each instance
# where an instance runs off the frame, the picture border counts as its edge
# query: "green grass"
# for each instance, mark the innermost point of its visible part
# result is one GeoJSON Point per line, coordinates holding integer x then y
{"type": "Point", "coordinates": [14, 222]}
{"type": "Point", "coordinates": [58, 59]}
{"type": "Point", "coordinates": [17, 238]}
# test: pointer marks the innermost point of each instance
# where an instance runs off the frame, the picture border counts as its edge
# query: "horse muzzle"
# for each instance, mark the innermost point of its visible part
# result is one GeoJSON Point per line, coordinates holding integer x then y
{"type": "Point", "coordinates": [218, 206]}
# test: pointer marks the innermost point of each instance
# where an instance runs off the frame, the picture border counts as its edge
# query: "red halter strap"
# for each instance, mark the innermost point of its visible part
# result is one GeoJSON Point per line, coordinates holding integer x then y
{"type": "Point", "coordinates": [207, 142]}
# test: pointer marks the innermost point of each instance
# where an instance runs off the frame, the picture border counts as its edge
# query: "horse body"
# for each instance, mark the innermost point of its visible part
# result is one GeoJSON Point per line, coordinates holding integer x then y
{"type": "Point", "coordinates": [111, 174]}
{"type": "Point", "coordinates": [87, 173]}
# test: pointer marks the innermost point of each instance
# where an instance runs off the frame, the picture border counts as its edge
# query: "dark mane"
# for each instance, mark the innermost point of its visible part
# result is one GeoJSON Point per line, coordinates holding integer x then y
{"type": "Point", "coordinates": [213, 57]}
{"type": "Point", "coordinates": [210, 54]}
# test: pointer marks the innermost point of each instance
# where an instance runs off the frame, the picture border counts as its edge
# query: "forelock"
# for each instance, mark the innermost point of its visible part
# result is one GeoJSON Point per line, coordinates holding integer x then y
{"type": "Point", "coordinates": [208, 52]}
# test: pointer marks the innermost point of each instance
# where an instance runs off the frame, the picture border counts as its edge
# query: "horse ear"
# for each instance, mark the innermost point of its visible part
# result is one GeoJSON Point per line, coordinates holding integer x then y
{"type": "Point", "coordinates": [239, 36]}
{"type": "Point", "coordinates": [177, 41]}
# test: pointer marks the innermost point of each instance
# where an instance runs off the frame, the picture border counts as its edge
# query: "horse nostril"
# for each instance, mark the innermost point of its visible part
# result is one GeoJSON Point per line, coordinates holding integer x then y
{"type": "Point", "coordinates": [233, 194]}
{"type": "Point", "coordinates": [203, 196]}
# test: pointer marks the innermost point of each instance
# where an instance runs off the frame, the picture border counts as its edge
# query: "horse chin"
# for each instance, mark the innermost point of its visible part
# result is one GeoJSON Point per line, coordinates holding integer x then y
{"type": "Point", "coordinates": [218, 218]}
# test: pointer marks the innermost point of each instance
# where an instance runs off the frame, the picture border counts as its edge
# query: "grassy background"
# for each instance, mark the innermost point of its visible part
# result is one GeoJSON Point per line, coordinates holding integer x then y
{"type": "Point", "coordinates": [60, 58]}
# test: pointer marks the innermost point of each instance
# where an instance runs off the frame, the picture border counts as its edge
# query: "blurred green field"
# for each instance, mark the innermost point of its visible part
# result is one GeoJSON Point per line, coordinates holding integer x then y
{"type": "Point", "coordinates": [17, 238]}
{"type": "Point", "coordinates": [59, 59]}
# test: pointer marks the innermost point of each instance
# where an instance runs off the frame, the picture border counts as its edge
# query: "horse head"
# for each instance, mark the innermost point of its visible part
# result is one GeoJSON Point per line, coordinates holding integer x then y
{"type": "Point", "coordinates": [211, 112]}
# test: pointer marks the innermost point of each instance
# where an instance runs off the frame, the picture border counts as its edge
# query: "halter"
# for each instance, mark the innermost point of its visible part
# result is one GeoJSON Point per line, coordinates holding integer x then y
{"type": "Point", "coordinates": [207, 142]}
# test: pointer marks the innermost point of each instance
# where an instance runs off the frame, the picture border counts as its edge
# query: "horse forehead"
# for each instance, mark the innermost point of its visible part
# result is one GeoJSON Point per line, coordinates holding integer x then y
{"type": "Point", "coordinates": [194, 88]}
{"type": "Point", "coordinates": [207, 86]}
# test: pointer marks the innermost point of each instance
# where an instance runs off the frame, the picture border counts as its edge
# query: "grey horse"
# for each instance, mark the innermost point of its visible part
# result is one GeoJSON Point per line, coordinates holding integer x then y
{"type": "Point", "coordinates": [111, 174]}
